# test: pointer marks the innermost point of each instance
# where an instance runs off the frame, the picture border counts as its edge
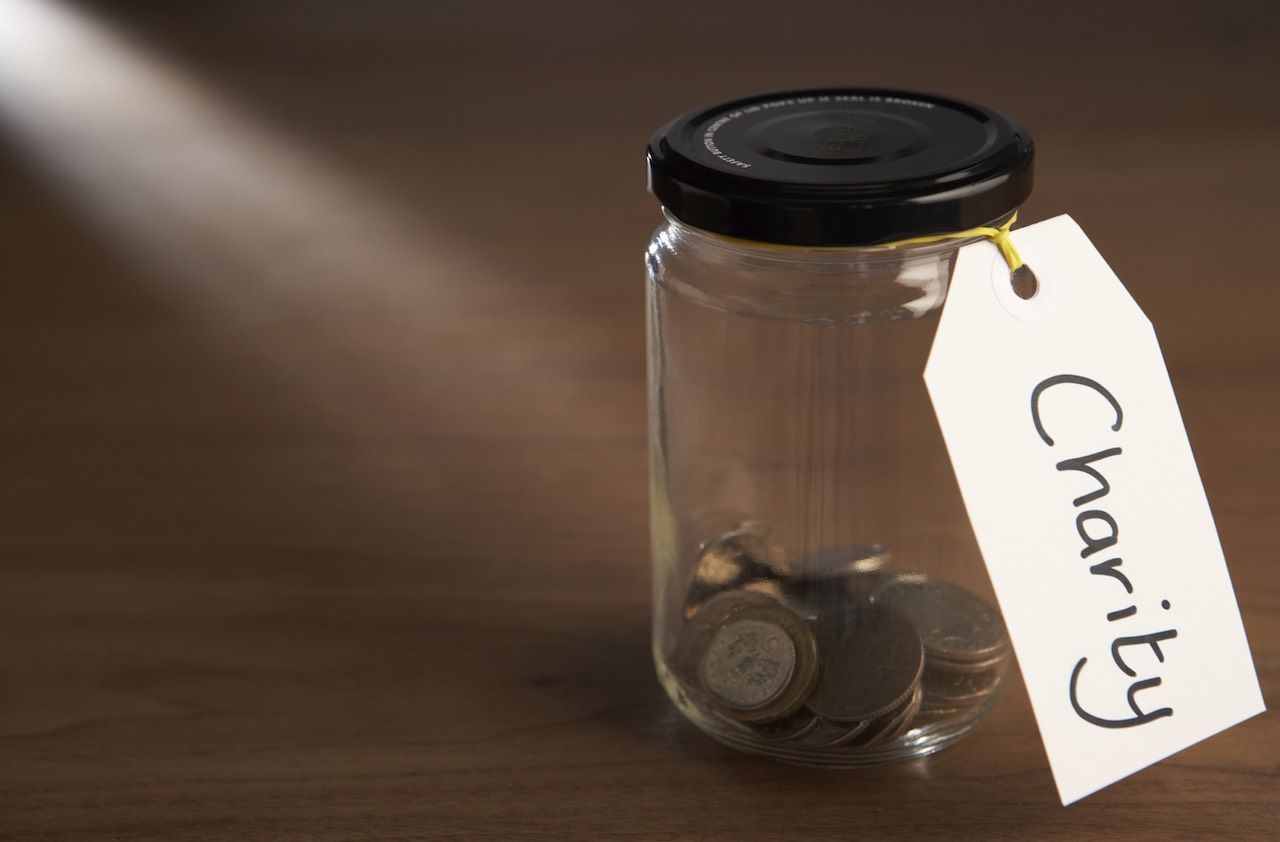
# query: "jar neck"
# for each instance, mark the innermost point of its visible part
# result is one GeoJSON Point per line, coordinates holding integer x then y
{"type": "Point", "coordinates": [872, 259]}
{"type": "Point", "coordinates": [856, 284]}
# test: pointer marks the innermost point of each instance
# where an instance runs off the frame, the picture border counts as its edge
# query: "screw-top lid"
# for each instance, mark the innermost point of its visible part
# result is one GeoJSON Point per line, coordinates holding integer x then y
{"type": "Point", "coordinates": [840, 166]}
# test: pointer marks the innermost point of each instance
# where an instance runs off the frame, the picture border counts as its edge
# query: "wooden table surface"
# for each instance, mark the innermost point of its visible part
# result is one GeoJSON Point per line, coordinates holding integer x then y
{"type": "Point", "coordinates": [322, 425]}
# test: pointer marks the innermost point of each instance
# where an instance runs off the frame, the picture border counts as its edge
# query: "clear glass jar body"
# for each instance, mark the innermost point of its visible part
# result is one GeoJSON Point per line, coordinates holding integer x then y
{"type": "Point", "coordinates": [818, 596]}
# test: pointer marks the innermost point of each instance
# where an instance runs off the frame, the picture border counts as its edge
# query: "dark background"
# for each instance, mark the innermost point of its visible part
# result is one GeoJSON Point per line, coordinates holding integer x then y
{"type": "Point", "coordinates": [323, 510]}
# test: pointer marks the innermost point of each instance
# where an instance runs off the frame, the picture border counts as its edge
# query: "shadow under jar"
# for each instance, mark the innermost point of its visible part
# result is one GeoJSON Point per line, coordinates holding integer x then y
{"type": "Point", "coordinates": [818, 593]}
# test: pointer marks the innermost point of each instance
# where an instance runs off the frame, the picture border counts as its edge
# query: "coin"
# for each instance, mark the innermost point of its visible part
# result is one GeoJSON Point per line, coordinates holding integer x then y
{"type": "Point", "coordinates": [829, 734]}
{"type": "Point", "coordinates": [725, 605]}
{"type": "Point", "coordinates": [860, 586]}
{"type": "Point", "coordinates": [872, 733]}
{"type": "Point", "coordinates": [699, 596]}
{"type": "Point", "coordinates": [795, 727]}
{"type": "Point", "coordinates": [742, 557]}
{"type": "Point", "coordinates": [709, 640]}
{"type": "Point", "coordinates": [696, 632]}
{"type": "Point", "coordinates": [748, 664]}
{"type": "Point", "coordinates": [748, 541]}
{"type": "Point", "coordinates": [944, 665]}
{"type": "Point", "coordinates": [954, 624]}
{"type": "Point", "coordinates": [836, 561]}
{"type": "Point", "coordinates": [831, 575]}
{"type": "Point", "coordinates": [949, 689]}
{"type": "Point", "coordinates": [905, 718]}
{"type": "Point", "coordinates": [799, 690]}
{"type": "Point", "coordinates": [928, 716]}
{"type": "Point", "coordinates": [891, 724]}
{"type": "Point", "coordinates": [871, 660]}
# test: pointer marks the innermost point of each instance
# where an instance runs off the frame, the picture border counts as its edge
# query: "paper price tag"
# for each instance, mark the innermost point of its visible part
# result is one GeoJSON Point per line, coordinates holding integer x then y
{"type": "Point", "coordinates": [1076, 471]}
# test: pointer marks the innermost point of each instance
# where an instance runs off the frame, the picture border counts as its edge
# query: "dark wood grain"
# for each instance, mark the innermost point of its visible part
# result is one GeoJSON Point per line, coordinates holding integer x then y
{"type": "Point", "coordinates": [323, 515]}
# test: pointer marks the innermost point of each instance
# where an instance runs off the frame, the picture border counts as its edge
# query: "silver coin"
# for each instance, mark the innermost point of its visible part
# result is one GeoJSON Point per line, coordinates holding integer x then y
{"type": "Point", "coordinates": [699, 596]}
{"type": "Point", "coordinates": [860, 586]}
{"type": "Point", "coordinates": [950, 689]}
{"type": "Point", "coordinates": [740, 558]}
{"type": "Point", "coordinates": [903, 721]}
{"type": "Point", "coordinates": [805, 678]}
{"type": "Point", "coordinates": [837, 561]}
{"type": "Point", "coordinates": [749, 542]}
{"type": "Point", "coordinates": [944, 665]}
{"type": "Point", "coordinates": [930, 716]}
{"type": "Point", "coordinates": [828, 734]}
{"type": "Point", "coordinates": [795, 727]}
{"type": "Point", "coordinates": [827, 577]}
{"type": "Point", "coordinates": [872, 659]}
{"type": "Point", "coordinates": [748, 664]}
{"type": "Point", "coordinates": [890, 725]}
{"type": "Point", "coordinates": [725, 605]}
{"type": "Point", "coordinates": [696, 632]}
{"type": "Point", "coordinates": [954, 624]}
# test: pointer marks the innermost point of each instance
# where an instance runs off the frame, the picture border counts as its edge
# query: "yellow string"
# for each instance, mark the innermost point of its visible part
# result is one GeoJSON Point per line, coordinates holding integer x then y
{"type": "Point", "coordinates": [999, 236]}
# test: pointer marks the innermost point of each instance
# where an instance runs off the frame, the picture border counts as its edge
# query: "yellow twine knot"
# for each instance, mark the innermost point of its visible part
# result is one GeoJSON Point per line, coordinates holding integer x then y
{"type": "Point", "coordinates": [999, 236]}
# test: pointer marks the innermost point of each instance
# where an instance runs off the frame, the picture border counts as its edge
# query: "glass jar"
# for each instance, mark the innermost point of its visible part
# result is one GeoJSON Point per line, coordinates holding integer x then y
{"type": "Point", "coordinates": [818, 596]}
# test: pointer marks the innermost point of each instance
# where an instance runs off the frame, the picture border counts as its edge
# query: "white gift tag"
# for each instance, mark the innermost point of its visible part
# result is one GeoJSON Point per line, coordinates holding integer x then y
{"type": "Point", "coordinates": [1078, 478]}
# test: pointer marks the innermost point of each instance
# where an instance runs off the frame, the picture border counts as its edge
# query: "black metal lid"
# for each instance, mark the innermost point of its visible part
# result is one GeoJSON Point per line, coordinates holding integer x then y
{"type": "Point", "coordinates": [840, 166]}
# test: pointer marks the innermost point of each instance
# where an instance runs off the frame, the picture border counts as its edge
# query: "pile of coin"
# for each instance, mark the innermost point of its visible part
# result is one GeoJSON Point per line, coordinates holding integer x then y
{"type": "Point", "coordinates": [965, 643]}
{"type": "Point", "coordinates": [834, 649]}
